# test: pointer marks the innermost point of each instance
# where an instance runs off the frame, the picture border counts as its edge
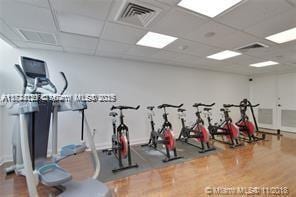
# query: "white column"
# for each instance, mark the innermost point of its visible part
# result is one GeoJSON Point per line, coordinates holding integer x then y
{"type": "Point", "coordinates": [91, 143]}
{"type": "Point", "coordinates": [54, 138]}
{"type": "Point", "coordinates": [28, 169]}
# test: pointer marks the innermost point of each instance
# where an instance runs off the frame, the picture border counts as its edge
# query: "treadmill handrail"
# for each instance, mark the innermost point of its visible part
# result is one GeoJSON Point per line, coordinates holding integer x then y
{"type": "Point", "coordinates": [66, 83]}
{"type": "Point", "coordinates": [22, 74]}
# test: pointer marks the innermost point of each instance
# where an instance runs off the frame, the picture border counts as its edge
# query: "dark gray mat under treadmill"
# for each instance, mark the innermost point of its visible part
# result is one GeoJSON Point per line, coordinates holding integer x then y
{"type": "Point", "coordinates": [147, 159]}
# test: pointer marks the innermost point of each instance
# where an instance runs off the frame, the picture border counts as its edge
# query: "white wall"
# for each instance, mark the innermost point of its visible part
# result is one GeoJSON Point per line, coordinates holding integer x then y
{"type": "Point", "coordinates": [133, 82]}
{"type": "Point", "coordinates": [1, 125]}
{"type": "Point", "coordinates": [263, 90]}
{"type": "Point", "coordinates": [273, 90]}
{"type": "Point", "coordinates": [4, 49]}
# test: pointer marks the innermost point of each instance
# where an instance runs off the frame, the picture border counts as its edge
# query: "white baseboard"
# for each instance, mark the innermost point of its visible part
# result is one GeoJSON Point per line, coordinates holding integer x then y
{"type": "Point", "coordinates": [5, 159]}
{"type": "Point", "coordinates": [8, 158]}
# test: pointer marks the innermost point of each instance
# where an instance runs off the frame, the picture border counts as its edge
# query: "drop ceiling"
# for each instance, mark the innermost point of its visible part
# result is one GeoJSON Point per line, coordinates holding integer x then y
{"type": "Point", "coordinates": [91, 27]}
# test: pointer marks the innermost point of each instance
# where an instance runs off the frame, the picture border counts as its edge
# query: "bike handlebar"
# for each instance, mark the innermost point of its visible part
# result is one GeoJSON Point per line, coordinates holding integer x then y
{"type": "Point", "coordinates": [203, 105]}
{"type": "Point", "coordinates": [66, 83]}
{"type": "Point", "coordinates": [254, 105]}
{"type": "Point", "coordinates": [229, 105]}
{"type": "Point", "coordinates": [168, 105]}
{"type": "Point", "coordinates": [22, 74]}
{"type": "Point", "coordinates": [121, 107]}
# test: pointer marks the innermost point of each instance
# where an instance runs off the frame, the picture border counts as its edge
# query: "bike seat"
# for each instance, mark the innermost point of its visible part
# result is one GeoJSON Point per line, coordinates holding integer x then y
{"type": "Point", "coordinates": [222, 109]}
{"type": "Point", "coordinates": [207, 109]}
{"type": "Point", "coordinates": [181, 110]}
{"type": "Point", "coordinates": [121, 107]}
{"type": "Point", "coordinates": [113, 114]}
{"type": "Point", "coordinates": [150, 107]}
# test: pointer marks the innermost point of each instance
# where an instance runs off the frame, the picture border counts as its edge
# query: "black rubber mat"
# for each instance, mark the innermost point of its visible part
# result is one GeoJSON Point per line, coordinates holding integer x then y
{"type": "Point", "coordinates": [147, 159]}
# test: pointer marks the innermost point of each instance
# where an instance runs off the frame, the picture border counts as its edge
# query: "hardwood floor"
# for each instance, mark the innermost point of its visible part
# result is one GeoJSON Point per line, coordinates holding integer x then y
{"type": "Point", "coordinates": [264, 164]}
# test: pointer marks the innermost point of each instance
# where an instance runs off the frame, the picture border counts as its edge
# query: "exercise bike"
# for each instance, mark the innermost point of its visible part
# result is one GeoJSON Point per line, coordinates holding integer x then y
{"type": "Point", "coordinates": [197, 131]}
{"type": "Point", "coordinates": [120, 140]}
{"type": "Point", "coordinates": [163, 136]}
{"type": "Point", "coordinates": [247, 128]}
{"type": "Point", "coordinates": [225, 129]}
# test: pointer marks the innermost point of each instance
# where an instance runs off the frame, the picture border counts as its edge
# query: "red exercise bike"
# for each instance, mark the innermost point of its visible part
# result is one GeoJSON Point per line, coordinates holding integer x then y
{"type": "Point", "coordinates": [197, 131]}
{"type": "Point", "coordinates": [225, 129]}
{"type": "Point", "coordinates": [120, 140]}
{"type": "Point", "coordinates": [163, 136]}
{"type": "Point", "coordinates": [248, 129]}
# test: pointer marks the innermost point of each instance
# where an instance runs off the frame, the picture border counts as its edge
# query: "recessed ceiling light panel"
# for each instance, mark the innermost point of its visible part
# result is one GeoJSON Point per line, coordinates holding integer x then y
{"type": "Point", "coordinates": [284, 36]}
{"type": "Point", "coordinates": [156, 40]}
{"type": "Point", "coordinates": [210, 8]}
{"type": "Point", "coordinates": [263, 64]}
{"type": "Point", "coordinates": [224, 55]}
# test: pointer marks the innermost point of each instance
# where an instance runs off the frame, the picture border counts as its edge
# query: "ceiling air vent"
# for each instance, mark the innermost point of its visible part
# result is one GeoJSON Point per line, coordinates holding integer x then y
{"type": "Point", "coordinates": [255, 45]}
{"type": "Point", "coordinates": [138, 14]}
{"type": "Point", "coordinates": [40, 37]}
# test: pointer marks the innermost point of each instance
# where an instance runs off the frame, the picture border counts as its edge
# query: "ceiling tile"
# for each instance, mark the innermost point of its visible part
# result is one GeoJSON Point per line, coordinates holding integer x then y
{"type": "Point", "coordinates": [261, 52]}
{"type": "Point", "coordinates": [138, 58]}
{"type": "Point", "coordinates": [169, 2]}
{"type": "Point", "coordinates": [44, 47]}
{"type": "Point", "coordinates": [9, 33]}
{"type": "Point", "coordinates": [21, 44]}
{"type": "Point", "coordinates": [79, 50]}
{"type": "Point", "coordinates": [252, 11]}
{"type": "Point", "coordinates": [30, 45]}
{"type": "Point", "coordinates": [112, 47]}
{"type": "Point", "coordinates": [276, 69]}
{"type": "Point", "coordinates": [178, 22]}
{"type": "Point", "coordinates": [237, 39]}
{"type": "Point", "coordinates": [198, 35]}
{"type": "Point", "coordinates": [38, 3]}
{"type": "Point", "coordinates": [122, 33]}
{"type": "Point", "coordinates": [142, 51]}
{"type": "Point", "coordinates": [282, 53]}
{"type": "Point", "coordinates": [97, 9]}
{"type": "Point", "coordinates": [274, 24]}
{"type": "Point", "coordinates": [210, 33]}
{"type": "Point", "coordinates": [238, 69]}
{"type": "Point", "coordinates": [165, 55]}
{"type": "Point", "coordinates": [191, 48]}
{"type": "Point", "coordinates": [189, 59]}
{"type": "Point", "coordinates": [79, 24]}
{"type": "Point", "coordinates": [20, 15]}
{"type": "Point", "coordinates": [76, 41]}
{"type": "Point", "coordinates": [109, 54]}
{"type": "Point", "coordinates": [210, 62]}
{"type": "Point", "coordinates": [292, 3]}
{"type": "Point", "coordinates": [243, 60]}
{"type": "Point", "coordinates": [221, 36]}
